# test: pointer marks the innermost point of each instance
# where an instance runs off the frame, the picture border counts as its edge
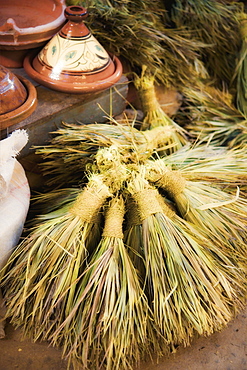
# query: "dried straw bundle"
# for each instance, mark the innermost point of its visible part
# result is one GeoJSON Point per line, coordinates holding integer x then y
{"type": "Point", "coordinates": [216, 25]}
{"type": "Point", "coordinates": [154, 116]}
{"type": "Point", "coordinates": [41, 275]}
{"type": "Point", "coordinates": [241, 69]}
{"type": "Point", "coordinates": [109, 303]}
{"type": "Point", "coordinates": [209, 114]}
{"type": "Point", "coordinates": [191, 285]}
{"type": "Point", "coordinates": [221, 217]}
{"type": "Point", "coordinates": [109, 321]}
{"type": "Point", "coordinates": [221, 166]}
{"type": "Point", "coordinates": [75, 146]}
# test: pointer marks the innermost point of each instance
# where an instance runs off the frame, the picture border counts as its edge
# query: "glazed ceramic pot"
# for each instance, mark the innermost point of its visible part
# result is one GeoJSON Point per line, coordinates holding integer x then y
{"type": "Point", "coordinates": [25, 25]}
{"type": "Point", "coordinates": [73, 60]}
{"type": "Point", "coordinates": [18, 98]}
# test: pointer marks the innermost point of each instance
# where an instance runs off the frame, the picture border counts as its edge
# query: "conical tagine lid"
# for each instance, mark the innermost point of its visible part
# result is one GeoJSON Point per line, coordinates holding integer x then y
{"type": "Point", "coordinates": [73, 60]}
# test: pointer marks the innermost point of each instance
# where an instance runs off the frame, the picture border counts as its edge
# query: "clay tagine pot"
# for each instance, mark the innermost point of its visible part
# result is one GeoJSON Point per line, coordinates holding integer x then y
{"type": "Point", "coordinates": [26, 25]}
{"type": "Point", "coordinates": [18, 98]}
{"type": "Point", "coordinates": [73, 60]}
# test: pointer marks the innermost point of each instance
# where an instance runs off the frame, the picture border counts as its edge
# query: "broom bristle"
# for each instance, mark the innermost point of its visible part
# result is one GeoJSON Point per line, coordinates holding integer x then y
{"type": "Point", "coordinates": [189, 287]}
{"type": "Point", "coordinates": [74, 148]}
{"type": "Point", "coordinates": [109, 317]}
{"type": "Point", "coordinates": [40, 277]}
{"type": "Point", "coordinates": [218, 214]}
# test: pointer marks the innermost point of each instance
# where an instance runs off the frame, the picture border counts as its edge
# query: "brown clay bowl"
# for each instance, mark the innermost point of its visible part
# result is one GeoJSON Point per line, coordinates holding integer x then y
{"type": "Point", "coordinates": [68, 85]}
{"type": "Point", "coordinates": [22, 111]}
{"type": "Point", "coordinates": [25, 25]}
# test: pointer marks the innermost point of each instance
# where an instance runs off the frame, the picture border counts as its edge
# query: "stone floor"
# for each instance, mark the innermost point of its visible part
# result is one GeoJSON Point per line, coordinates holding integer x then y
{"type": "Point", "coordinates": [226, 350]}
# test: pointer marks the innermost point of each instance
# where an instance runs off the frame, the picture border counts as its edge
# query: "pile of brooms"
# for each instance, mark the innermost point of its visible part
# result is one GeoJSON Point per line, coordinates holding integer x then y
{"type": "Point", "coordinates": [147, 252]}
{"type": "Point", "coordinates": [142, 241]}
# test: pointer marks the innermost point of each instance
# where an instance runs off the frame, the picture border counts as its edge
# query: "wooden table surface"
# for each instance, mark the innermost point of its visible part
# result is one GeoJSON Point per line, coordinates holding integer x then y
{"type": "Point", "coordinates": [55, 107]}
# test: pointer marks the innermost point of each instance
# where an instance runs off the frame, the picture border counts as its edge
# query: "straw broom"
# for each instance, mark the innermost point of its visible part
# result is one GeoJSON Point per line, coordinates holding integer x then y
{"type": "Point", "coordinates": [241, 68]}
{"type": "Point", "coordinates": [74, 147]}
{"type": "Point", "coordinates": [109, 319]}
{"type": "Point", "coordinates": [218, 214]}
{"type": "Point", "coordinates": [190, 287]}
{"type": "Point", "coordinates": [46, 265]}
{"type": "Point", "coordinates": [221, 166]}
{"type": "Point", "coordinates": [154, 115]}
{"type": "Point", "coordinates": [209, 115]}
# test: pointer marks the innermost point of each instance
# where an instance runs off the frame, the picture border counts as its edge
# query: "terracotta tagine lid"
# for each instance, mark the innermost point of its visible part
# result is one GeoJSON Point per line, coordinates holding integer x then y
{"type": "Point", "coordinates": [73, 60]}
{"type": "Point", "coordinates": [26, 25]}
{"type": "Point", "coordinates": [12, 92]}
{"type": "Point", "coordinates": [18, 98]}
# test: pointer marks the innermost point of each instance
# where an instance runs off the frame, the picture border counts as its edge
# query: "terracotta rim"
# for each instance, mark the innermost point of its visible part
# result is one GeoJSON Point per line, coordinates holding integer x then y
{"type": "Point", "coordinates": [35, 35]}
{"type": "Point", "coordinates": [25, 110]}
{"type": "Point", "coordinates": [70, 87]}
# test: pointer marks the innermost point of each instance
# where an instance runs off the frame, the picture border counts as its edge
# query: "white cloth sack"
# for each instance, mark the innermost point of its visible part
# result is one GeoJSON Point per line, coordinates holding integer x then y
{"type": "Point", "coordinates": [14, 193]}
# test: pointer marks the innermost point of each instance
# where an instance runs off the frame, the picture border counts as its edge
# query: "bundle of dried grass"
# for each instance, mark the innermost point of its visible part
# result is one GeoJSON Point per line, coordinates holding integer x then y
{"type": "Point", "coordinates": [217, 25]}
{"type": "Point", "coordinates": [74, 147]}
{"type": "Point", "coordinates": [41, 275]}
{"type": "Point", "coordinates": [111, 298]}
{"type": "Point", "coordinates": [209, 115]}
{"type": "Point", "coordinates": [219, 215]}
{"type": "Point", "coordinates": [109, 322]}
{"type": "Point", "coordinates": [221, 166]}
{"type": "Point", "coordinates": [191, 284]}
{"type": "Point", "coordinates": [154, 115]}
{"type": "Point", "coordinates": [241, 68]}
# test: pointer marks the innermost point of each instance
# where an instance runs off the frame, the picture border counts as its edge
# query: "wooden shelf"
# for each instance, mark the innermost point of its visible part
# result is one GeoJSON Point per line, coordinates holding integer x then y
{"type": "Point", "coordinates": [56, 107]}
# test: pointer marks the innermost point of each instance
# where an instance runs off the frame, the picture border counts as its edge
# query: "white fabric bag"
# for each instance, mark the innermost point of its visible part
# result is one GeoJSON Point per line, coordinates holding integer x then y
{"type": "Point", "coordinates": [14, 198]}
{"type": "Point", "coordinates": [14, 193]}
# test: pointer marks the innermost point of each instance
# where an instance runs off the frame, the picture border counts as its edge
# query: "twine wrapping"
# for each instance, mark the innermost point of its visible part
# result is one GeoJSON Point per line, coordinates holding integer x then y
{"type": "Point", "coordinates": [171, 181]}
{"type": "Point", "coordinates": [148, 203]}
{"type": "Point", "coordinates": [114, 219]}
{"type": "Point", "coordinates": [243, 28]}
{"type": "Point", "coordinates": [167, 209]}
{"type": "Point", "coordinates": [148, 98]}
{"type": "Point", "coordinates": [157, 136]}
{"type": "Point", "coordinates": [89, 202]}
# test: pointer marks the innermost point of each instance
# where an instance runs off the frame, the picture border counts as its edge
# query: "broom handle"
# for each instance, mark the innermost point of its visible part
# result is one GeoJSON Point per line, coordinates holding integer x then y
{"type": "Point", "coordinates": [114, 219]}
{"type": "Point", "coordinates": [170, 180]}
{"type": "Point", "coordinates": [89, 202]}
{"type": "Point", "coordinates": [149, 202]}
{"type": "Point", "coordinates": [157, 136]}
